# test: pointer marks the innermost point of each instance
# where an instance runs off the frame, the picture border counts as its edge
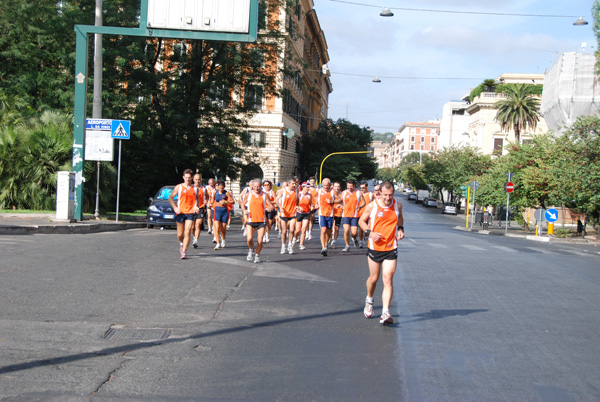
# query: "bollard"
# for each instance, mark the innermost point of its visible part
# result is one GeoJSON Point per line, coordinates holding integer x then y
{"type": "Point", "coordinates": [550, 228]}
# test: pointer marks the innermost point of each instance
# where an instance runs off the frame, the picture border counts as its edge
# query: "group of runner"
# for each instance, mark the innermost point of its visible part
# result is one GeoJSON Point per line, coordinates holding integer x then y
{"type": "Point", "coordinates": [371, 220]}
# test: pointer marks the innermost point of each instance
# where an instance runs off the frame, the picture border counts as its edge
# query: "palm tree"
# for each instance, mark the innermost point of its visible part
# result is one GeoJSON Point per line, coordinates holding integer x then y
{"type": "Point", "coordinates": [520, 109]}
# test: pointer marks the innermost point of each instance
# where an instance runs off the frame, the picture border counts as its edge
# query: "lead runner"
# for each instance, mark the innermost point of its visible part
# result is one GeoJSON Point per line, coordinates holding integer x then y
{"type": "Point", "coordinates": [382, 223]}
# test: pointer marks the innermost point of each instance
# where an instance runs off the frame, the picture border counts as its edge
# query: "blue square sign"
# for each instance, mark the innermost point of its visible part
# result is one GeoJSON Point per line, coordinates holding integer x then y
{"type": "Point", "coordinates": [120, 129]}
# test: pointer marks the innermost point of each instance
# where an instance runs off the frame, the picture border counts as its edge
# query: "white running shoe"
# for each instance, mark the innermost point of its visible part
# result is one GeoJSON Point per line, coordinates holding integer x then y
{"type": "Point", "coordinates": [355, 242]}
{"type": "Point", "coordinates": [244, 232]}
{"type": "Point", "coordinates": [308, 236]}
{"type": "Point", "coordinates": [195, 243]}
{"type": "Point", "coordinates": [346, 249]}
{"type": "Point", "coordinates": [223, 243]}
{"type": "Point", "coordinates": [361, 243]}
{"type": "Point", "coordinates": [302, 247]}
{"type": "Point", "coordinates": [333, 244]}
{"type": "Point", "coordinates": [214, 240]}
{"type": "Point", "coordinates": [256, 259]}
{"type": "Point", "coordinates": [283, 249]}
{"type": "Point", "coordinates": [217, 246]}
{"type": "Point", "coordinates": [250, 255]}
{"type": "Point", "coordinates": [210, 231]}
{"type": "Point", "coordinates": [291, 248]}
{"type": "Point", "coordinates": [368, 311]}
{"type": "Point", "coordinates": [266, 239]}
{"type": "Point", "coordinates": [386, 319]}
{"type": "Point", "coordinates": [228, 227]}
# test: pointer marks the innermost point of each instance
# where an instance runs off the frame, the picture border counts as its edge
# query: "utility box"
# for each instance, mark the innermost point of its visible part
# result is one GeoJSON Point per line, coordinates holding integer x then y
{"type": "Point", "coordinates": [65, 196]}
{"type": "Point", "coordinates": [232, 16]}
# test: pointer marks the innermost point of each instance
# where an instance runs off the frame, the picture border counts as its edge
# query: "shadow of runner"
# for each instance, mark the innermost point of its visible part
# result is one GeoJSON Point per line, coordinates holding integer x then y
{"type": "Point", "coordinates": [438, 314]}
{"type": "Point", "coordinates": [138, 346]}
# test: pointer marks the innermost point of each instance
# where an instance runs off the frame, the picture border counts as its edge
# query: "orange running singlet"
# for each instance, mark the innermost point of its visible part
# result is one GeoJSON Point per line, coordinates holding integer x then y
{"type": "Point", "coordinates": [186, 199]}
{"type": "Point", "coordinates": [200, 194]}
{"type": "Point", "coordinates": [210, 191]}
{"type": "Point", "coordinates": [368, 197]}
{"type": "Point", "coordinates": [256, 205]}
{"type": "Point", "coordinates": [288, 204]}
{"type": "Point", "coordinates": [325, 206]}
{"type": "Point", "coordinates": [350, 203]}
{"type": "Point", "coordinates": [305, 203]}
{"type": "Point", "coordinates": [314, 192]}
{"type": "Point", "coordinates": [384, 220]}
{"type": "Point", "coordinates": [338, 210]}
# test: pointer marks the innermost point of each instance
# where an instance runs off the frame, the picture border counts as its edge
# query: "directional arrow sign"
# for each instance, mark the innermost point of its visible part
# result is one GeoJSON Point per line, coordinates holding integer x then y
{"type": "Point", "coordinates": [551, 215]}
{"type": "Point", "coordinates": [509, 187]}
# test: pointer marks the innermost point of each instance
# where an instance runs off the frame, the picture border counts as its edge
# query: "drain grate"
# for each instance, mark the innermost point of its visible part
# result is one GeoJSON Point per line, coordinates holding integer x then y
{"type": "Point", "coordinates": [137, 334]}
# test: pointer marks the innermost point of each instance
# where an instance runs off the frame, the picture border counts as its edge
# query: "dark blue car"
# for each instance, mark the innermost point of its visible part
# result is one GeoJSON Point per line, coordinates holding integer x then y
{"type": "Point", "coordinates": [160, 212]}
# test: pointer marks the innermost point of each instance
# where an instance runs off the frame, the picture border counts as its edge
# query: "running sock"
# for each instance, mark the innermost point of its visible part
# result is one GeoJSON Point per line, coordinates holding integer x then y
{"type": "Point", "coordinates": [385, 310]}
{"type": "Point", "coordinates": [369, 299]}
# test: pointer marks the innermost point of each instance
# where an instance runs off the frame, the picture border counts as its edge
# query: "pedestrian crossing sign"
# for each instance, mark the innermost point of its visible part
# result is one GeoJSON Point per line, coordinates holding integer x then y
{"type": "Point", "coordinates": [120, 129]}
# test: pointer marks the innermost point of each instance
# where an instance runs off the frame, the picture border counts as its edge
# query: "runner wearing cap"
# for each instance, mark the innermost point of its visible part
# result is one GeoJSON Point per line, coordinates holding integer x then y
{"type": "Point", "coordinates": [303, 213]}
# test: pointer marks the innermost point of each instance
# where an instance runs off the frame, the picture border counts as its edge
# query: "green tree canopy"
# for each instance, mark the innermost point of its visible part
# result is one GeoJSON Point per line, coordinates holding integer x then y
{"type": "Point", "coordinates": [339, 136]}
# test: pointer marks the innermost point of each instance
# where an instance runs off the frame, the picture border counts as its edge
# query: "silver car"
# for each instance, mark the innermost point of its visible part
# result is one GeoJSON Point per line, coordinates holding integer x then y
{"type": "Point", "coordinates": [449, 208]}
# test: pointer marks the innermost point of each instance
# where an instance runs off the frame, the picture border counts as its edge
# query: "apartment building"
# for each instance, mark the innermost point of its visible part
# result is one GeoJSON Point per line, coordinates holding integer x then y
{"type": "Point", "coordinates": [411, 137]}
{"type": "Point", "coordinates": [483, 131]}
{"type": "Point", "coordinates": [280, 122]}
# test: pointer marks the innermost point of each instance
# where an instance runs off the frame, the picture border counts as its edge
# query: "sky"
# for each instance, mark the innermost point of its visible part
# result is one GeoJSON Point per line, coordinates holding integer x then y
{"type": "Point", "coordinates": [425, 59]}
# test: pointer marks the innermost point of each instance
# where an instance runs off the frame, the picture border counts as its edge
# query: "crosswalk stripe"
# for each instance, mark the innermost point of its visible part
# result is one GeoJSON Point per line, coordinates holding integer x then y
{"type": "Point", "coordinates": [474, 248]}
{"type": "Point", "coordinates": [505, 249]}
{"type": "Point", "coordinates": [437, 245]}
{"type": "Point", "coordinates": [540, 250]}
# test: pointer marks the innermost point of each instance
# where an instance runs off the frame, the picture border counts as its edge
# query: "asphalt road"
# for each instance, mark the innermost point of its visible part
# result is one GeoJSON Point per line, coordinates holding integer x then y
{"type": "Point", "coordinates": [117, 316]}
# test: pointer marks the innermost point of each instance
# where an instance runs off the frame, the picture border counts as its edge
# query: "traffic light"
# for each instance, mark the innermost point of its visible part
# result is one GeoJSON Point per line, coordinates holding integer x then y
{"type": "Point", "coordinates": [465, 191]}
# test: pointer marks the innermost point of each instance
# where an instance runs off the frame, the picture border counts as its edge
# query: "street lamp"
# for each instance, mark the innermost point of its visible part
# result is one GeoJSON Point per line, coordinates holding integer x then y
{"type": "Point", "coordinates": [388, 13]}
{"type": "Point", "coordinates": [376, 80]}
{"type": "Point", "coordinates": [580, 21]}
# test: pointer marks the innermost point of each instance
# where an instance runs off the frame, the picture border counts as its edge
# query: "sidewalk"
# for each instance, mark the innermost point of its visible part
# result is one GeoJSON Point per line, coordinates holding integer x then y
{"type": "Point", "coordinates": [515, 230]}
{"type": "Point", "coordinates": [25, 223]}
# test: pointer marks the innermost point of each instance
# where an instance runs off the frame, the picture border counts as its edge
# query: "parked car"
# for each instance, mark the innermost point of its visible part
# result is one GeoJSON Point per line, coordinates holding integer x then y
{"type": "Point", "coordinates": [430, 202]}
{"type": "Point", "coordinates": [159, 211]}
{"type": "Point", "coordinates": [408, 190]}
{"type": "Point", "coordinates": [449, 208]}
{"type": "Point", "coordinates": [412, 196]}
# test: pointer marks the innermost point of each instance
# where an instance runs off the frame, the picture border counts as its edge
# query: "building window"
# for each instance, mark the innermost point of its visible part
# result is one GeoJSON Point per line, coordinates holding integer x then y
{"type": "Point", "coordinates": [412, 147]}
{"type": "Point", "coordinates": [257, 139]}
{"type": "Point", "coordinates": [422, 139]}
{"type": "Point", "coordinates": [284, 142]}
{"type": "Point", "coordinates": [253, 97]}
{"type": "Point", "coordinates": [412, 138]}
{"type": "Point", "coordinates": [498, 145]}
{"type": "Point", "coordinates": [422, 147]}
{"type": "Point", "coordinates": [432, 147]}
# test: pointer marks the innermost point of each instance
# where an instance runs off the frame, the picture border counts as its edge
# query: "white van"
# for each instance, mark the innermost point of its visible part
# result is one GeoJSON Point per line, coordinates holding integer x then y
{"type": "Point", "coordinates": [421, 195]}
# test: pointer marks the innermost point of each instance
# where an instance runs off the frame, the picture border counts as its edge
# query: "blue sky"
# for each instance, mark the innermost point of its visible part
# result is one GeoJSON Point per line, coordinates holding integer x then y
{"type": "Point", "coordinates": [442, 47]}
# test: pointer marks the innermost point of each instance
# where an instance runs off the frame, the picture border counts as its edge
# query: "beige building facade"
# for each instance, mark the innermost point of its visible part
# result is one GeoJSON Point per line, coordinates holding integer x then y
{"type": "Point", "coordinates": [276, 129]}
{"type": "Point", "coordinates": [483, 131]}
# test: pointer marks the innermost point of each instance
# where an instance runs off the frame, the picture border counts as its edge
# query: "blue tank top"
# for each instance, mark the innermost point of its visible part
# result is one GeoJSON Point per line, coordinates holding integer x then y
{"type": "Point", "coordinates": [220, 197]}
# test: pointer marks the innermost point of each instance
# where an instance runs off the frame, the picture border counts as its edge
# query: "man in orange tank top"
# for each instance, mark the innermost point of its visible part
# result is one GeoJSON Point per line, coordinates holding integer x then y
{"type": "Point", "coordinates": [202, 199]}
{"type": "Point", "coordinates": [368, 197]}
{"type": "Point", "coordinates": [305, 204]}
{"type": "Point", "coordinates": [353, 203]}
{"type": "Point", "coordinates": [185, 210]}
{"type": "Point", "coordinates": [338, 211]}
{"type": "Point", "coordinates": [326, 199]}
{"type": "Point", "coordinates": [382, 222]}
{"type": "Point", "coordinates": [287, 200]}
{"type": "Point", "coordinates": [255, 206]}
{"type": "Point", "coordinates": [210, 211]}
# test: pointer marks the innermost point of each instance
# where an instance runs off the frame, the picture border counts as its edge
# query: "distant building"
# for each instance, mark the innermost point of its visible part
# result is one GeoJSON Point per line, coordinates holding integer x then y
{"type": "Point", "coordinates": [411, 137]}
{"type": "Point", "coordinates": [454, 124]}
{"type": "Point", "coordinates": [571, 89]}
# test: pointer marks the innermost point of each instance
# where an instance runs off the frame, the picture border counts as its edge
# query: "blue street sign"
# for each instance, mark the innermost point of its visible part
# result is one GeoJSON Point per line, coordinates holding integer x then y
{"type": "Point", "coordinates": [551, 215]}
{"type": "Point", "coordinates": [98, 124]}
{"type": "Point", "coordinates": [120, 129]}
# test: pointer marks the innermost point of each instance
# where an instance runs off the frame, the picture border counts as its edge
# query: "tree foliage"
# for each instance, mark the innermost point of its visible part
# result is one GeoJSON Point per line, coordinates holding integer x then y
{"type": "Point", "coordinates": [339, 136]}
{"type": "Point", "coordinates": [519, 111]}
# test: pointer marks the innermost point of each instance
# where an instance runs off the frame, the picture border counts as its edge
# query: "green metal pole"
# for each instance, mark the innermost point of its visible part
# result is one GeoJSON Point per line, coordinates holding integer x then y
{"type": "Point", "coordinates": [81, 61]}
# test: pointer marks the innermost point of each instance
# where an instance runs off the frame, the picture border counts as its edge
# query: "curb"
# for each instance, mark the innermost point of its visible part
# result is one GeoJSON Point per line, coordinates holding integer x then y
{"type": "Point", "coordinates": [70, 229]}
{"type": "Point", "coordinates": [543, 239]}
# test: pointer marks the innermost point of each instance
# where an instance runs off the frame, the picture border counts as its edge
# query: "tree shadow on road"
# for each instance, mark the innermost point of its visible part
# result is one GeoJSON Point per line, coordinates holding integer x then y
{"type": "Point", "coordinates": [147, 345]}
